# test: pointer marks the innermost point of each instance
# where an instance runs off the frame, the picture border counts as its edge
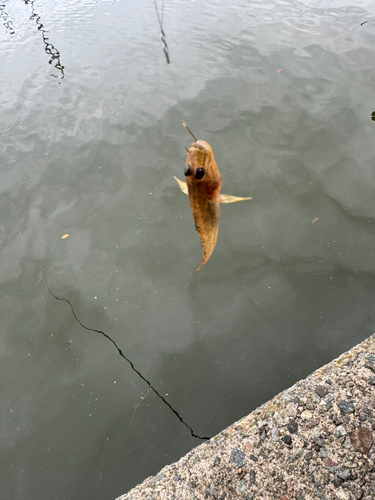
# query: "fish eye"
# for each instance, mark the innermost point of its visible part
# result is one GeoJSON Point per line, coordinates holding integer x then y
{"type": "Point", "coordinates": [187, 170]}
{"type": "Point", "coordinates": [199, 173]}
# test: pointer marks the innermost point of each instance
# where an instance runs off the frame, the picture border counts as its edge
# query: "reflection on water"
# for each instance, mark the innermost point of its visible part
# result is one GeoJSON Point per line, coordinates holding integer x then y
{"type": "Point", "coordinates": [49, 48]}
{"type": "Point", "coordinates": [150, 387]}
{"type": "Point", "coordinates": [7, 22]}
{"type": "Point", "coordinates": [283, 93]}
{"type": "Point", "coordinates": [162, 34]}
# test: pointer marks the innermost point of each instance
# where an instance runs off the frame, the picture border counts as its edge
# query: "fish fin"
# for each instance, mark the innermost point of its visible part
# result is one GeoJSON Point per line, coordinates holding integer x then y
{"type": "Point", "coordinates": [182, 185]}
{"type": "Point", "coordinates": [227, 198]}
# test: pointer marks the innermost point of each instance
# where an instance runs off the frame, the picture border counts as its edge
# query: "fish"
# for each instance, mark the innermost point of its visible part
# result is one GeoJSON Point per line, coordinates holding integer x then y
{"type": "Point", "coordinates": [203, 185]}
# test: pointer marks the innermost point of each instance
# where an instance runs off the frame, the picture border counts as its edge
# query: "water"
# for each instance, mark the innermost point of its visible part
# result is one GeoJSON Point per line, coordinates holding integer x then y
{"type": "Point", "coordinates": [91, 136]}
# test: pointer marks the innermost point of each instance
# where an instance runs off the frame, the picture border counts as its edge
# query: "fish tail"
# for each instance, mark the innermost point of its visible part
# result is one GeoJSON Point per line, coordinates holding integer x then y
{"type": "Point", "coordinates": [202, 264]}
{"type": "Point", "coordinates": [204, 260]}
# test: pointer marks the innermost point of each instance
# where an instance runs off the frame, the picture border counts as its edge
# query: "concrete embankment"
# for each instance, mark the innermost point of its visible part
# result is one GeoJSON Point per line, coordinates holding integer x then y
{"type": "Point", "coordinates": [312, 441]}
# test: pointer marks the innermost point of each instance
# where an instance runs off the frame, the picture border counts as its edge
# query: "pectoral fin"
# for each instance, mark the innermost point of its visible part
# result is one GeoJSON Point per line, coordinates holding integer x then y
{"type": "Point", "coordinates": [227, 198]}
{"type": "Point", "coordinates": [184, 187]}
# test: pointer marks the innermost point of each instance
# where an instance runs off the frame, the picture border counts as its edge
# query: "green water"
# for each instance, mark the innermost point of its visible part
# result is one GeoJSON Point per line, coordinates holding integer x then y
{"type": "Point", "coordinates": [91, 136]}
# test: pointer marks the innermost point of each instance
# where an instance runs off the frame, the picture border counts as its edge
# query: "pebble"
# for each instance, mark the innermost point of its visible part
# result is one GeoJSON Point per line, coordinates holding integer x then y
{"type": "Point", "coordinates": [287, 439]}
{"type": "Point", "coordinates": [318, 441]}
{"type": "Point", "coordinates": [346, 407]}
{"type": "Point", "coordinates": [241, 488]}
{"type": "Point", "coordinates": [306, 415]}
{"type": "Point", "coordinates": [238, 457]}
{"type": "Point", "coordinates": [321, 390]}
{"type": "Point", "coordinates": [156, 479]}
{"type": "Point", "coordinates": [367, 411]}
{"type": "Point", "coordinates": [343, 474]}
{"type": "Point", "coordinates": [315, 431]}
{"type": "Point", "coordinates": [340, 431]}
{"type": "Point", "coordinates": [315, 399]}
{"type": "Point", "coordinates": [313, 423]}
{"type": "Point", "coordinates": [291, 411]}
{"type": "Point", "coordinates": [252, 476]}
{"type": "Point", "coordinates": [329, 463]}
{"type": "Point", "coordinates": [292, 427]}
{"type": "Point", "coordinates": [309, 405]}
{"type": "Point", "coordinates": [262, 423]}
{"type": "Point", "coordinates": [329, 405]}
{"type": "Point", "coordinates": [342, 495]}
{"type": "Point", "coordinates": [323, 453]}
{"type": "Point", "coordinates": [371, 380]}
{"type": "Point", "coordinates": [361, 439]}
{"type": "Point", "coordinates": [275, 434]}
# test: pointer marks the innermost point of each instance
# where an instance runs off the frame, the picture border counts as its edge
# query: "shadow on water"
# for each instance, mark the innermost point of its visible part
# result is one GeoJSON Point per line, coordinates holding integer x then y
{"type": "Point", "coordinates": [7, 22]}
{"type": "Point", "coordinates": [49, 48]}
{"type": "Point", "coordinates": [150, 386]}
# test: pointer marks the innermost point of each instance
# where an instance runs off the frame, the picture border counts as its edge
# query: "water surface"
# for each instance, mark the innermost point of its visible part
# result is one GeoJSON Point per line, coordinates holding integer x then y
{"type": "Point", "coordinates": [91, 136]}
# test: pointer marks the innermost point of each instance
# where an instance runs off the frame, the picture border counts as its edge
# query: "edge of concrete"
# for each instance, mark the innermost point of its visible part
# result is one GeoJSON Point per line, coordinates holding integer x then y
{"type": "Point", "coordinates": [311, 441]}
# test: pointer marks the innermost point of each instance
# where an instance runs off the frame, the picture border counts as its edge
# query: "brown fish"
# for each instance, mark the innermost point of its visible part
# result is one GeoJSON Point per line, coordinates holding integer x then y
{"type": "Point", "coordinates": [203, 184]}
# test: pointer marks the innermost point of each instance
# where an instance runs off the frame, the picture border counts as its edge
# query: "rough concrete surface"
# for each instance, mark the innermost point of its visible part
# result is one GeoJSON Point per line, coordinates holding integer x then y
{"type": "Point", "coordinates": [312, 441]}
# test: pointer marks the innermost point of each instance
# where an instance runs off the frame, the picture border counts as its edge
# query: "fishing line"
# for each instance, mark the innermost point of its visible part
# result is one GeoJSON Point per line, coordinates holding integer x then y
{"type": "Point", "coordinates": [151, 387]}
{"type": "Point", "coordinates": [162, 34]}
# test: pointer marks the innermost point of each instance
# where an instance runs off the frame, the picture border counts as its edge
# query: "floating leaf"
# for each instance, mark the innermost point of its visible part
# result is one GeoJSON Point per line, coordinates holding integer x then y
{"type": "Point", "coordinates": [314, 220]}
{"type": "Point", "coordinates": [277, 71]}
{"type": "Point", "coordinates": [64, 236]}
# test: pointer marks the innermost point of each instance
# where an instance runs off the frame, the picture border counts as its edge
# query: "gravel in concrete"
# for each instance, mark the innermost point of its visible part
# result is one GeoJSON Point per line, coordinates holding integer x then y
{"type": "Point", "coordinates": [312, 441]}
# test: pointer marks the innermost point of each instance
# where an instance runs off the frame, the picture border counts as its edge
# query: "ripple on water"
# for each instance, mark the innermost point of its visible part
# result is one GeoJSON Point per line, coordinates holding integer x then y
{"type": "Point", "coordinates": [287, 112]}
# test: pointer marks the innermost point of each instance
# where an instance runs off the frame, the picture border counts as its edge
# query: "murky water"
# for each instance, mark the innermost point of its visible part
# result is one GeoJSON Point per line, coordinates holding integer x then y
{"type": "Point", "coordinates": [91, 136]}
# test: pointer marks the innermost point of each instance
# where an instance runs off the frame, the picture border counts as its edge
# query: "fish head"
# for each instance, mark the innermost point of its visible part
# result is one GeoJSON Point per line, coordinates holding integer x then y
{"type": "Point", "coordinates": [201, 169]}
